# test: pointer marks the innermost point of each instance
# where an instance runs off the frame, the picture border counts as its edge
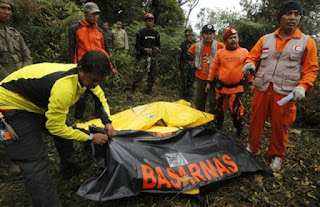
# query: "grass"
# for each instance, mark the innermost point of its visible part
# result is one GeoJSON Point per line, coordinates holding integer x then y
{"type": "Point", "coordinates": [293, 186]}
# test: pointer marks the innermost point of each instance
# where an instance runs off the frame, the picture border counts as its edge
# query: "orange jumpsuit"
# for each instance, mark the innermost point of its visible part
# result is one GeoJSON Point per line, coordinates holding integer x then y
{"type": "Point", "coordinates": [227, 68]}
{"type": "Point", "coordinates": [264, 103]}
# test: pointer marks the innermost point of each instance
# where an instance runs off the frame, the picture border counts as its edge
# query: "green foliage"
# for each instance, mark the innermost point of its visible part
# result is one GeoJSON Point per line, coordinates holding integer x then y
{"type": "Point", "coordinates": [249, 31]}
{"type": "Point", "coordinates": [125, 65]}
{"type": "Point", "coordinates": [167, 12]}
{"type": "Point", "coordinates": [308, 111]}
{"type": "Point", "coordinates": [266, 12]}
{"type": "Point", "coordinates": [168, 57]}
{"type": "Point", "coordinates": [44, 26]}
{"type": "Point", "coordinates": [170, 38]}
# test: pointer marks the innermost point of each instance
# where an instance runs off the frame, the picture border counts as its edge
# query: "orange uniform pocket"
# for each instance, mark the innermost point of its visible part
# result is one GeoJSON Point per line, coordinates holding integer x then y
{"type": "Point", "coordinates": [290, 113]}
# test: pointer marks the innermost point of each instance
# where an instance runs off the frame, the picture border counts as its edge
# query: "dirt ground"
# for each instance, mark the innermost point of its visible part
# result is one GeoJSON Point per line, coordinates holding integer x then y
{"type": "Point", "coordinates": [293, 186]}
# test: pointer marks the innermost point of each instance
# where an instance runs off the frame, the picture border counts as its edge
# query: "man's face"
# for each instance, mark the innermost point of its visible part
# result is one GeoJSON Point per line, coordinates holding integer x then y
{"type": "Point", "coordinates": [5, 12]}
{"type": "Point", "coordinates": [105, 26]}
{"type": "Point", "coordinates": [290, 20]}
{"type": "Point", "coordinates": [189, 37]}
{"type": "Point", "coordinates": [90, 80]}
{"type": "Point", "coordinates": [92, 18]}
{"type": "Point", "coordinates": [208, 36]}
{"type": "Point", "coordinates": [119, 24]}
{"type": "Point", "coordinates": [232, 41]}
{"type": "Point", "coordinates": [149, 23]}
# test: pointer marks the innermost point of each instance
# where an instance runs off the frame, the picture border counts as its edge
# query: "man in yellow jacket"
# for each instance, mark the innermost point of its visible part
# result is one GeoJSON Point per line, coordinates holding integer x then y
{"type": "Point", "coordinates": [37, 98]}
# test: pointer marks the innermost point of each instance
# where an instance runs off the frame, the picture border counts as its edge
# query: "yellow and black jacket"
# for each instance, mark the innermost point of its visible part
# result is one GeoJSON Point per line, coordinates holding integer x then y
{"type": "Point", "coordinates": [49, 89]}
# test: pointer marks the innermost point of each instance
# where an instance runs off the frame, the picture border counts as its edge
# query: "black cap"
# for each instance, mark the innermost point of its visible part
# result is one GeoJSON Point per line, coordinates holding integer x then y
{"type": "Point", "coordinates": [208, 27]}
{"type": "Point", "coordinates": [287, 6]}
{"type": "Point", "coordinates": [188, 31]}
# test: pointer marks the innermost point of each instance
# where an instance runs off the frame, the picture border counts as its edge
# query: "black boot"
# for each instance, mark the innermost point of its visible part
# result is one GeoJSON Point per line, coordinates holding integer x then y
{"type": "Point", "coordinates": [239, 133]}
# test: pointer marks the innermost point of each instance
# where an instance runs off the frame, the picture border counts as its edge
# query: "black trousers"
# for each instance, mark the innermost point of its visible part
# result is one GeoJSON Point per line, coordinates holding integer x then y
{"type": "Point", "coordinates": [80, 105]}
{"type": "Point", "coordinates": [30, 154]}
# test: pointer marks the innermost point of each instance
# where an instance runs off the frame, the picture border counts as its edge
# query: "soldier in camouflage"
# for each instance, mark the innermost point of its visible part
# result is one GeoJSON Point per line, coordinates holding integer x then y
{"type": "Point", "coordinates": [109, 37]}
{"type": "Point", "coordinates": [147, 47]}
{"type": "Point", "coordinates": [186, 66]}
{"type": "Point", "coordinates": [14, 53]}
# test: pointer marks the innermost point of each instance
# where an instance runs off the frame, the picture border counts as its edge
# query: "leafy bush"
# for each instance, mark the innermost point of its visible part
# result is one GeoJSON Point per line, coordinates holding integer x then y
{"type": "Point", "coordinates": [308, 110]}
{"type": "Point", "coordinates": [44, 26]}
{"type": "Point", "coordinates": [170, 38]}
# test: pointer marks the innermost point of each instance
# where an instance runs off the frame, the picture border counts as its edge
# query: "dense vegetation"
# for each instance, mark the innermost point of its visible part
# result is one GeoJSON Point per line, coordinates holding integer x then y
{"type": "Point", "coordinates": [44, 25]}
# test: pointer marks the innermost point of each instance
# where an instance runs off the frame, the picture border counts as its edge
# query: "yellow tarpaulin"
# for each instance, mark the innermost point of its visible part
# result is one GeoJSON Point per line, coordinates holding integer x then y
{"type": "Point", "coordinates": [156, 117]}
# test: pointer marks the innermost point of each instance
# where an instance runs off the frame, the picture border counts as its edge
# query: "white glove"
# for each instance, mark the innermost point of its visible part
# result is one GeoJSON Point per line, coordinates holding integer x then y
{"type": "Point", "coordinates": [299, 93]}
{"type": "Point", "coordinates": [248, 67]}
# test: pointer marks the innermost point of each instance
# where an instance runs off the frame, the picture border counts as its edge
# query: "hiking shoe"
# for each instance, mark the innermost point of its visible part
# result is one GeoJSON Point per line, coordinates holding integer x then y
{"type": "Point", "coordinates": [275, 164]}
{"type": "Point", "coordinates": [239, 134]}
{"type": "Point", "coordinates": [249, 150]}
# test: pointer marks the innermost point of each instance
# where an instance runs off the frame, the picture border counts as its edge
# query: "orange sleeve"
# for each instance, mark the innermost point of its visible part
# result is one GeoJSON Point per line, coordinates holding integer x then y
{"type": "Point", "coordinates": [192, 49]}
{"type": "Point", "coordinates": [108, 56]}
{"type": "Point", "coordinates": [220, 45]}
{"type": "Point", "coordinates": [255, 53]}
{"type": "Point", "coordinates": [249, 77]}
{"type": "Point", "coordinates": [309, 65]}
{"type": "Point", "coordinates": [214, 67]}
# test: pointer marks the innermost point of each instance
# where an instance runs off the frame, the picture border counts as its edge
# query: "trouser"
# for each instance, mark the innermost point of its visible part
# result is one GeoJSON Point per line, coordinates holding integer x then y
{"type": "Point", "coordinates": [201, 96]}
{"type": "Point", "coordinates": [264, 104]}
{"type": "Point", "coordinates": [30, 154]}
{"type": "Point", "coordinates": [80, 105]}
{"type": "Point", "coordinates": [234, 103]}
{"type": "Point", "coordinates": [186, 81]}
{"type": "Point", "coordinates": [145, 67]}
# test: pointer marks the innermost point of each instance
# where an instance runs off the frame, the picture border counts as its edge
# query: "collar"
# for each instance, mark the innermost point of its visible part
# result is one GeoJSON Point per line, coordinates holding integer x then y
{"type": "Point", "coordinates": [297, 34]}
{"type": "Point", "coordinates": [231, 49]}
{"type": "Point", "coordinates": [84, 23]}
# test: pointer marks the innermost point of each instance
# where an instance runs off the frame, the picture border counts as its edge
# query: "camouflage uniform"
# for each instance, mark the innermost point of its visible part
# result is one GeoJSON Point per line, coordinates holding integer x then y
{"type": "Point", "coordinates": [187, 69]}
{"type": "Point", "coordinates": [146, 65]}
{"type": "Point", "coordinates": [109, 37]}
{"type": "Point", "coordinates": [14, 53]}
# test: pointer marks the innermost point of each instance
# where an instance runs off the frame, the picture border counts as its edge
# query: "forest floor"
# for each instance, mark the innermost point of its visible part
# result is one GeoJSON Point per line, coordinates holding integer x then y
{"type": "Point", "coordinates": [294, 185]}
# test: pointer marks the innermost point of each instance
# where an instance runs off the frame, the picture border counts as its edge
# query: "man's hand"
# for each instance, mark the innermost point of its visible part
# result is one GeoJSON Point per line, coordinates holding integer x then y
{"type": "Point", "coordinates": [207, 89]}
{"type": "Point", "coordinates": [156, 49]}
{"type": "Point", "coordinates": [148, 50]}
{"type": "Point", "coordinates": [99, 139]}
{"type": "Point", "coordinates": [109, 130]}
{"type": "Point", "coordinates": [299, 93]}
{"type": "Point", "coordinates": [251, 88]}
{"type": "Point", "coordinates": [248, 68]}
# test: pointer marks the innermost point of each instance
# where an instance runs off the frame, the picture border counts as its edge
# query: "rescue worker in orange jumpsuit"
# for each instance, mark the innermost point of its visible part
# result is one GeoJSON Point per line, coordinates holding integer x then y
{"type": "Point", "coordinates": [288, 63]}
{"type": "Point", "coordinates": [227, 72]}
{"type": "Point", "coordinates": [203, 53]}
